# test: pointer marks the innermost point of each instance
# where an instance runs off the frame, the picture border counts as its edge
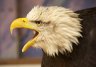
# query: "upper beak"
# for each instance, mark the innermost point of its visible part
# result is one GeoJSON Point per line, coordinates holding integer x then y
{"type": "Point", "coordinates": [24, 23]}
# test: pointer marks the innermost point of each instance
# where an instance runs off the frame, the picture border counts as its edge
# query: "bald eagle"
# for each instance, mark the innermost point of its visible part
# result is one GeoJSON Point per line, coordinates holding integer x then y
{"type": "Point", "coordinates": [67, 38]}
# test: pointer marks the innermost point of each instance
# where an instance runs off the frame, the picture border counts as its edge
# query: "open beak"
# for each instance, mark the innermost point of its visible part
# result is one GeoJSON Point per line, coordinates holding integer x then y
{"type": "Point", "coordinates": [24, 23]}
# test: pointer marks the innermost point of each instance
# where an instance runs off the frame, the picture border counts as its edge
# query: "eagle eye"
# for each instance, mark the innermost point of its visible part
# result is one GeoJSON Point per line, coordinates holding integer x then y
{"type": "Point", "coordinates": [38, 22]}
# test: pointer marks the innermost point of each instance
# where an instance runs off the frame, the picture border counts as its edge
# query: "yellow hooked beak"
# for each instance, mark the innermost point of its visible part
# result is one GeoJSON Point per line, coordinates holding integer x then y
{"type": "Point", "coordinates": [24, 23]}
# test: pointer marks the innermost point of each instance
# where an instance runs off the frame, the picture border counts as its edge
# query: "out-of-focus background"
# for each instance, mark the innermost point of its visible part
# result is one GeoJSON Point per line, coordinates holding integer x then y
{"type": "Point", "coordinates": [10, 46]}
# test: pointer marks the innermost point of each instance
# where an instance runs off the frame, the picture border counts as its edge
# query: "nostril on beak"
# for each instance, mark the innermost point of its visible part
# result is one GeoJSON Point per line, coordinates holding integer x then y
{"type": "Point", "coordinates": [23, 21]}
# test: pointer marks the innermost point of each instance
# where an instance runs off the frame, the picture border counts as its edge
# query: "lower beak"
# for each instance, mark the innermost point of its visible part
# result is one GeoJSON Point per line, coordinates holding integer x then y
{"type": "Point", "coordinates": [24, 23]}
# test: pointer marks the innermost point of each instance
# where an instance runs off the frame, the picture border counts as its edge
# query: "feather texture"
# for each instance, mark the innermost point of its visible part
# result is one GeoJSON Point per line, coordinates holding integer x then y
{"type": "Point", "coordinates": [60, 28]}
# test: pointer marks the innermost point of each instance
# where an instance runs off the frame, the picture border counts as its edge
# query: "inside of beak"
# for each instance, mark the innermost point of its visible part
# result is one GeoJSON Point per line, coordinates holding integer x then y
{"type": "Point", "coordinates": [30, 42]}
{"type": "Point", "coordinates": [24, 23]}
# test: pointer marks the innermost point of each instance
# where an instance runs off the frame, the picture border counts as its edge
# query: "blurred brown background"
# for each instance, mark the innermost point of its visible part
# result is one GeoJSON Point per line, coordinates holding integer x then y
{"type": "Point", "coordinates": [10, 46]}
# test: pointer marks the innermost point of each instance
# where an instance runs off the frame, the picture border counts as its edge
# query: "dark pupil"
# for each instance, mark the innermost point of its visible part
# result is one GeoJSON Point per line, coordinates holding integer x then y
{"type": "Point", "coordinates": [37, 22]}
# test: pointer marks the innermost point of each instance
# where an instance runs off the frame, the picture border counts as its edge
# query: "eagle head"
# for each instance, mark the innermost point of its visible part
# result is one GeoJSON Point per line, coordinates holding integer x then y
{"type": "Point", "coordinates": [56, 28]}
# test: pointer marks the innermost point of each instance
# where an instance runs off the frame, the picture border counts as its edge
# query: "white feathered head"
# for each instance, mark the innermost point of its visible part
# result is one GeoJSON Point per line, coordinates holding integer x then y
{"type": "Point", "coordinates": [56, 28]}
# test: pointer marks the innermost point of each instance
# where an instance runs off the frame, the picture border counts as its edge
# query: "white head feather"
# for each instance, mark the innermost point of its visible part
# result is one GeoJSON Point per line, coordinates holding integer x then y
{"type": "Point", "coordinates": [60, 28]}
